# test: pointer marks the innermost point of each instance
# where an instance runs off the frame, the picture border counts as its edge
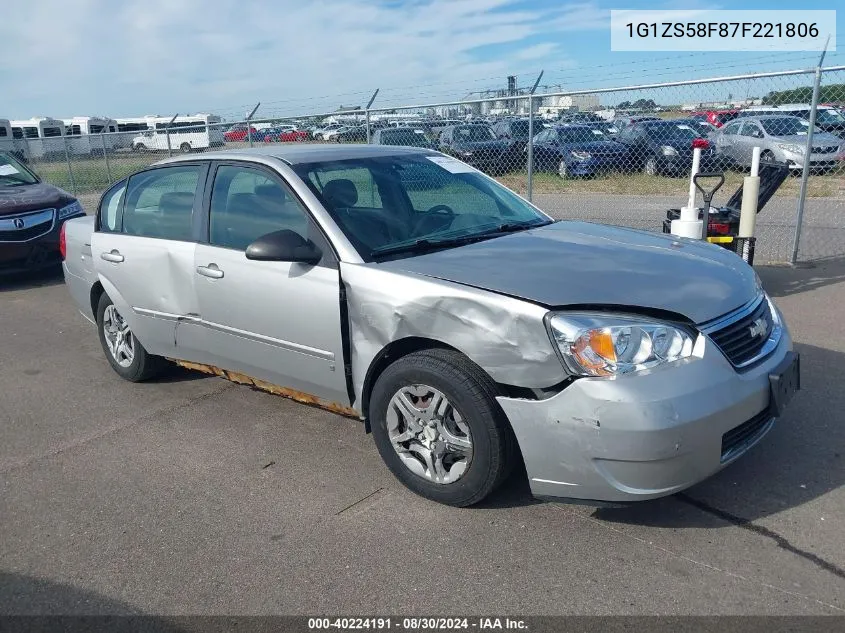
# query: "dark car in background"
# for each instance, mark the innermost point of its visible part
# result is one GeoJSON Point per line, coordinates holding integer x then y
{"type": "Point", "coordinates": [624, 121]}
{"type": "Point", "coordinates": [515, 133]}
{"type": "Point", "coordinates": [477, 145]}
{"type": "Point", "coordinates": [408, 137]}
{"type": "Point", "coordinates": [579, 117]}
{"type": "Point", "coordinates": [357, 134]}
{"type": "Point", "coordinates": [32, 214]}
{"type": "Point", "coordinates": [665, 147]}
{"type": "Point", "coordinates": [578, 150]}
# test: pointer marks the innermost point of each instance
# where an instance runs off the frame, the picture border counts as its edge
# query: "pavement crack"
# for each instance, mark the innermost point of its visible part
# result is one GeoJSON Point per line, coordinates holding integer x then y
{"type": "Point", "coordinates": [779, 540]}
{"type": "Point", "coordinates": [114, 428]}
{"type": "Point", "coordinates": [726, 572]}
{"type": "Point", "coordinates": [355, 503]}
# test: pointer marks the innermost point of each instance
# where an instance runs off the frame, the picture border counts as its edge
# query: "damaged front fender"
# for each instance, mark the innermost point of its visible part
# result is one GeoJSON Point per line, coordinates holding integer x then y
{"type": "Point", "coordinates": [504, 336]}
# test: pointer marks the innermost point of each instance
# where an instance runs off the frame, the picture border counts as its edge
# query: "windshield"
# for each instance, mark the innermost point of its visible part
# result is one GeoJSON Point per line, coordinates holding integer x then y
{"type": "Point", "coordinates": [13, 173]}
{"type": "Point", "coordinates": [829, 115]}
{"type": "Point", "coordinates": [519, 129]}
{"type": "Point", "coordinates": [785, 126]}
{"type": "Point", "coordinates": [671, 131]}
{"type": "Point", "coordinates": [472, 133]}
{"type": "Point", "coordinates": [581, 135]}
{"type": "Point", "coordinates": [387, 202]}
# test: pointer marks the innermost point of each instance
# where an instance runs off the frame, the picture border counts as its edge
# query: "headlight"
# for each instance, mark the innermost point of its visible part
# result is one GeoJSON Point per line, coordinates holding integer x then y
{"type": "Point", "coordinates": [668, 150]}
{"type": "Point", "coordinates": [791, 147]}
{"type": "Point", "coordinates": [607, 345]}
{"type": "Point", "coordinates": [580, 155]}
{"type": "Point", "coordinates": [74, 208]}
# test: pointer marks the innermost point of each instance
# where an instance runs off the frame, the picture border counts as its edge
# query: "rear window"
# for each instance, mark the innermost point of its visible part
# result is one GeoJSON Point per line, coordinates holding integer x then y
{"type": "Point", "coordinates": [471, 133]}
{"type": "Point", "coordinates": [664, 131]}
{"type": "Point", "coordinates": [519, 128]}
{"type": "Point", "coordinates": [51, 131]}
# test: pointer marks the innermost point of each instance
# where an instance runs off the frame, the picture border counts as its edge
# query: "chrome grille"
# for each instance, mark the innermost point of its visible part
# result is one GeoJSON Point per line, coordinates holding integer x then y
{"type": "Point", "coordinates": [26, 226]}
{"type": "Point", "coordinates": [747, 335]}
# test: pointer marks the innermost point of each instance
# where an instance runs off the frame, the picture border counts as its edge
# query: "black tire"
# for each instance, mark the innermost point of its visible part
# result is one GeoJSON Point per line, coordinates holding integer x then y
{"type": "Point", "coordinates": [767, 157]}
{"type": "Point", "coordinates": [139, 147]}
{"type": "Point", "coordinates": [472, 393]}
{"type": "Point", "coordinates": [563, 170]}
{"type": "Point", "coordinates": [650, 167]}
{"type": "Point", "coordinates": [185, 148]}
{"type": "Point", "coordinates": [144, 365]}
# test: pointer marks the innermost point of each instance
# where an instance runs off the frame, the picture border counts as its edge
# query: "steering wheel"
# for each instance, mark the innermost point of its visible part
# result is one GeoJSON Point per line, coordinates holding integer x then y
{"type": "Point", "coordinates": [441, 209]}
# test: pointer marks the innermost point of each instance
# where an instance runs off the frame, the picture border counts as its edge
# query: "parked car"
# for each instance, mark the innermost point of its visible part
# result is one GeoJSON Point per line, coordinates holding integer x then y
{"type": "Point", "coordinates": [580, 117]}
{"type": "Point", "coordinates": [578, 150]}
{"type": "Point", "coordinates": [624, 121]}
{"type": "Point", "coordinates": [283, 134]}
{"type": "Point", "coordinates": [515, 133]}
{"type": "Point", "coordinates": [697, 123]}
{"type": "Point", "coordinates": [402, 136]}
{"type": "Point", "coordinates": [476, 144]}
{"type": "Point", "coordinates": [717, 117]}
{"type": "Point", "coordinates": [781, 139]}
{"type": "Point", "coordinates": [465, 328]}
{"type": "Point", "coordinates": [32, 214]}
{"type": "Point", "coordinates": [829, 119]}
{"type": "Point", "coordinates": [665, 147]}
{"type": "Point", "coordinates": [329, 135]}
{"type": "Point", "coordinates": [320, 133]}
{"type": "Point", "coordinates": [357, 134]}
{"type": "Point", "coordinates": [238, 133]}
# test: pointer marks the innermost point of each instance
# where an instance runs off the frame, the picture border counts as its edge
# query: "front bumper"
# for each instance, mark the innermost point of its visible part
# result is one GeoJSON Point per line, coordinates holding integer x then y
{"type": "Point", "coordinates": [32, 255]}
{"type": "Point", "coordinates": [646, 435]}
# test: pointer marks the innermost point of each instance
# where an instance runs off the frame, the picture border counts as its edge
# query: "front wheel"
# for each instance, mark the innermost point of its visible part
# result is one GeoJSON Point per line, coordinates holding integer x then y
{"type": "Point", "coordinates": [650, 167]}
{"type": "Point", "coordinates": [438, 427]}
{"type": "Point", "coordinates": [185, 148]}
{"type": "Point", "coordinates": [562, 169]}
{"type": "Point", "coordinates": [124, 352]}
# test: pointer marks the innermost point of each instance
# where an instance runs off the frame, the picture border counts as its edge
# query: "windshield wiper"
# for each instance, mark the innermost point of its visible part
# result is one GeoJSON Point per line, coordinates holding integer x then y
{"type": "Point", "coordinates": [425, 244]}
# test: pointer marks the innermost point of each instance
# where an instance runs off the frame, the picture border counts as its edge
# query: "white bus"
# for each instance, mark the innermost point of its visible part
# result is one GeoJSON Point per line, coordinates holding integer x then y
{"type": "Point", "coordinates": [84, 134]}
{"type": "Point", "coordinates": [187, 134]}
{"type": "Point", "coordinates": [41, 137]}
{"type": "Point", "coordinates": [132, 127]}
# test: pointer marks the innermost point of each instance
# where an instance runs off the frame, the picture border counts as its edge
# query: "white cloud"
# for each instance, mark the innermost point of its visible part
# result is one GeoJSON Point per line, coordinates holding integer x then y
{"type": "Point", "coordinates": [141, 56]}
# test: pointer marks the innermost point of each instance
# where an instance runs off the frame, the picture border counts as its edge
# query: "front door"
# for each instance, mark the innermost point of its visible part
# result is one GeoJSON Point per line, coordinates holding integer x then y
{"type": "Point", "coordinates": [143, 251]}
{"type": "Point", "coordinates": [276, 321]}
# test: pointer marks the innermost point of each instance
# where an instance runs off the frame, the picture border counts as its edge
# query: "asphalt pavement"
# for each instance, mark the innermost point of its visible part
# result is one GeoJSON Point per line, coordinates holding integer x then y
{"type": "Point", "coordinates": [191, 494]}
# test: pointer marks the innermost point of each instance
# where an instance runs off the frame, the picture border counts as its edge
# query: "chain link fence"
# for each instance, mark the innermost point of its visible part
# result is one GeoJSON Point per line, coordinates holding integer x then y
{"type": "Point", "coordinates": [616, 156]}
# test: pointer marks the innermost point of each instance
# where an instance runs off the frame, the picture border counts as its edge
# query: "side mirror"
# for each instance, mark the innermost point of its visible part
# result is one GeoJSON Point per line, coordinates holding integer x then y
{"type": "Point", "coordinates": [284, 246]}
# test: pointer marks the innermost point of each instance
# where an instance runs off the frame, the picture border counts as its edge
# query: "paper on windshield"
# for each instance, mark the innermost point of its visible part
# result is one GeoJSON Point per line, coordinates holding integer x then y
{"type": "Point", "coordinates": [451, 165]}
{"type": "Point", "coordinates": [681, 126]}
{"type": "Point", "coordinates": [598, 132]}
{"type": "Point", "coordinates": [8, 170]}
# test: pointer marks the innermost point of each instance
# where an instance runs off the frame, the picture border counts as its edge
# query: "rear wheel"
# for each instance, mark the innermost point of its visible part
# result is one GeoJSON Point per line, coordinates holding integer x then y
{"type": "Point", "coordinates": [767, 157]}
{"type": "Point", "coordinates": [139, 147]}
{"type": "Point", "coordinates": [124, 352]}
{"type": "Point", "coordinates": [438, 427]}
{"type": "Point", "coordinates": [185, 148]}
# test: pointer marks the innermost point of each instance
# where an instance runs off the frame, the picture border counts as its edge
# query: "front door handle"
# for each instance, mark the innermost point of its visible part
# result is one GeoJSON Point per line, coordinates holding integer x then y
{"type": "Point", "coordinates": [211, 271]}
{"type": "Point", "coordinates": [113, 256]}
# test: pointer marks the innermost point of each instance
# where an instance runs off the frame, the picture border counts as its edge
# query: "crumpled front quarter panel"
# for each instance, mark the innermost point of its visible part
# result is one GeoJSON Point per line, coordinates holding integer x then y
{"type": "Point", "coordinates": [506, 337]}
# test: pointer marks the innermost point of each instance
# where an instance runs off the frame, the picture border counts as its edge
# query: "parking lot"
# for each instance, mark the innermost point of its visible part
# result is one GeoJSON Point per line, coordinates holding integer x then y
{"type": "Point", "coordinates": [191, 494]}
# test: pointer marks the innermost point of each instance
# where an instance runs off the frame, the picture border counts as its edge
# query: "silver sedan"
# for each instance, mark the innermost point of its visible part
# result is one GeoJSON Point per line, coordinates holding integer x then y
{"type": "Point", "coordinates": [464, 327]}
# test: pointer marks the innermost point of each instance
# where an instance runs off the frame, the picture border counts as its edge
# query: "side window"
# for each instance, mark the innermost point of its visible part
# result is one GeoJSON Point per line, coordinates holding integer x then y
{"type": "Point", "coordinates": [247, 203]}
{"type": "Point", "coordinates": [751, 129]}
{"type": "Point", "coordinates": [160, 202]}
{"type": "Point", "coordinates": [111, 209]}
{"type": "Point", "coordinates": [344, 188]}
{"type": "Point", "coordinates": [731, 129]}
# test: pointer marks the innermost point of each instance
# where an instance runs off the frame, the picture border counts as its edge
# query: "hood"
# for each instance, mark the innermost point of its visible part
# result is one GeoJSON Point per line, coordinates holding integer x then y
{"type": "Point", "coordinates": [580, 264]}
{"type": "Point", "coordinates": [32, 198]}
{"type": "Point", "coordinates": [598, 147]}
{"type": "Point", "coordinates": [471, 146]}
{"type": "Point", "coordinates": [819, 139]}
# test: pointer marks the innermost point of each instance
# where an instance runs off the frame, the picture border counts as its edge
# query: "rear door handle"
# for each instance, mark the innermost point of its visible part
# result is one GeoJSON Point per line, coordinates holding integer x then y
{"type": "Point", "coordinates": [211, 271]}
{"type": "Point", "coordinates": [113, 256]}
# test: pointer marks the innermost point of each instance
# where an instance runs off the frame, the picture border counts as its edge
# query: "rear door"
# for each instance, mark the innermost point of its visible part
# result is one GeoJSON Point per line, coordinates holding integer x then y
{"type": "Point", "coordinates": [276, 321]}
{"type": "Point", "coordinates": [750, 135]}
{"type": "Point", "coordinates": [143, 250]}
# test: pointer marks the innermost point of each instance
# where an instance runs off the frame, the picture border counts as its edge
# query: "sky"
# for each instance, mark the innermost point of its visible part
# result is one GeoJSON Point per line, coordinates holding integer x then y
{"type": "Point", "coordinates": [136, 57]}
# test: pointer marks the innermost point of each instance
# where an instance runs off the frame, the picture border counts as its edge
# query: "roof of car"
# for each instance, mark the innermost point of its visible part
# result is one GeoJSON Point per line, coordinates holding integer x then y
{"type": "Point", "coordinates": [299, 153]}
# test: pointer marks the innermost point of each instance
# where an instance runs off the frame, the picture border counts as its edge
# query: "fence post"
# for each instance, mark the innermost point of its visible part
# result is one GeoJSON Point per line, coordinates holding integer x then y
{"type": "Point", "coordinates": [808, 151]}
{"type": "Point", "coordinates": [530, 162]}
{"type": "Point", "coordinates": [249, 123]}
{"type": "Point", "coordinates": [368, 127]}
{"type": "Point", "coordinates": [530, 147]}
{"type": "Point", "coordinates": [106, 157]}
{"type": "Point", "coordinates": [367, 111]}
{"type": "Point", "coordinates": [69, 170]}
{"type": "Point", "coordinates": [167, 133]}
